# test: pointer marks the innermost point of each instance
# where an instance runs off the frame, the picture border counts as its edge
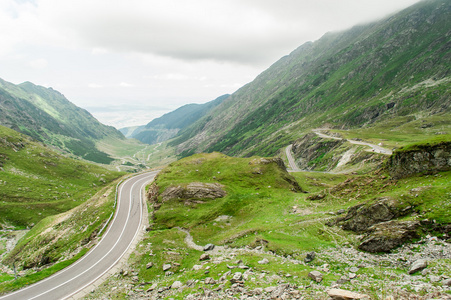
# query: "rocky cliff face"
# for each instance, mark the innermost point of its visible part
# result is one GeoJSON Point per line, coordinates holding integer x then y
{"type": "Point", "coordinates": [426, 158]}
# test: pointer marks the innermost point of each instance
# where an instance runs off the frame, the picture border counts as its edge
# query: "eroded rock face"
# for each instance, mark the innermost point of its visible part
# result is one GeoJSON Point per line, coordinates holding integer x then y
{"type": "Point", "coordinates": [265, 161]}
{"type": "Point", "coordinates": [386, 236]}
{"type": "Point", "coordinates": [360, 217]}
{"type": "Point", "coordinates": [422, 158]}
{"type": "Point", "coordinates": [194, 190]}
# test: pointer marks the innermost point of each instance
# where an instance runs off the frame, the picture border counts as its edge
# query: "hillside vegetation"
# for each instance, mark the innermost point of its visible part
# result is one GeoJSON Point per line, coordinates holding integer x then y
{"type": "Point", "coordinates": [47, 116]}
{"type": "Point", "coordinates": [37, 182]}
{"type": "Point", "coordinates": [396, 68]}
{"type": "Point", "coordinates": [264, 225]}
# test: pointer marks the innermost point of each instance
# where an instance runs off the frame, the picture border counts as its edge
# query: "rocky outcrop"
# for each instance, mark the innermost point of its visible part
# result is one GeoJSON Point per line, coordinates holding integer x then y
{"type": "Point", "coordinates": [360, 217]}
{"type": "Point", "coordinates": [386, 236]}
{"type": "Point", "coordinates": [281, 165]}
{"type": "Point", "coordinates": [310, 149]}
{"type": "Point", "coordinates": [427, 158]}
{"type": "Point", "coordinates": [376, 220]}
{"type": "Point", "coordinates": [266, 161]}
{"type": "Point", "coordinates": [193, 191]}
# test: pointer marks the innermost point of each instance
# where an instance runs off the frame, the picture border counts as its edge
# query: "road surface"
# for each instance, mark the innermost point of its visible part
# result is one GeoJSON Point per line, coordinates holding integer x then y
{"type": "Point", "coordinates": [114, 244]}
{"type": "Point", "coordinates": [291, 161]}
{"type": "Point", "coordinates": [374, 148]}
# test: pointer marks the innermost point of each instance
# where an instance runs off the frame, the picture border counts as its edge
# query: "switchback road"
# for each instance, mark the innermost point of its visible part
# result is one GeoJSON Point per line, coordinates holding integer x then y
{"type": "Point", "coordinates": [122, 231]}
{"type": "Point", "coordinates": [374, 148]}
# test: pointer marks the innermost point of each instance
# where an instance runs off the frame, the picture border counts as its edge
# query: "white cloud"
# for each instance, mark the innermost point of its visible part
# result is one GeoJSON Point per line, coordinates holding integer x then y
{"type": "Point", "coordinates": [95, 86]}
{"type": "Point", "coordinates": [40, 63]}
{"type": "Point", "coordinates": [125, 84]}
{"type": "Point", "coordinates": [172, 51]}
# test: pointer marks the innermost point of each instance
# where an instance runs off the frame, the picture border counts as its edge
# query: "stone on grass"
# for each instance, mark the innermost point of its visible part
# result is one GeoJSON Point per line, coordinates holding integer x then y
{"type": "Point", "coordinates": [310, 256]}
{"type": "Point", "coordinates": [315, 275]}
{"type": "Point", "coordinates": [447, 282]}
{"type": "Point", "coordinates": [166, 267]}
{"type": "Point", "coordinates": [204, 256]}
{"type": "Point", "coordinates": [418, 266]}
{"type": "Point", "coordinates": [197, 267]}
{"type": "Point", "coordinates": [149, 265]}
{"type": "Point", "coordinates": [264, 261]}
{"type": "Point", "coordinates": [176, 285]}
{"type": "Point", "coordinates": [338, 294]}
{"type": "Point", "coordinates": [153, 287]}
{"type": "Point", "coordinates": [209, 247]}
{"type": "Point", "coordinates": [210, 280]}
{"type": "Point", "coordinates": [237, 277]}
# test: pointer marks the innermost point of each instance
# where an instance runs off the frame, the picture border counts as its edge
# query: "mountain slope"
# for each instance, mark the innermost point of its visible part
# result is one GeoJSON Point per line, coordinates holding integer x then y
{"type": "Point", "coordinates": [46, 115]}
{"type": "Point", "coordinates": [168, 125]}
{"type": "Point", "coordinates": [37, 182]}
{"type": "Point", "coordinates": [395, 67]}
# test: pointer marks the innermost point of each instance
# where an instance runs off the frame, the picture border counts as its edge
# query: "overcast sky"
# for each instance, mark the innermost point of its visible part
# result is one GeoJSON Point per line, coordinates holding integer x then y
{"type": "Point", "coordinates": [128, 62]}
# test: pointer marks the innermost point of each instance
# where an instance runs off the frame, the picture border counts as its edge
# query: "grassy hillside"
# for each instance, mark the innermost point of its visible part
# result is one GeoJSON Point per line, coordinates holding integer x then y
{"type": "Point", "coordinates": [262, 217]}
{"type": "Point", "coordinates": [47, 116]}
{"type": "Point", "coordinates": [37, 182]}
{"type": "Point", "coordinates": [57, 241]}
{"type": "Point", "coordinates": [368, 75]}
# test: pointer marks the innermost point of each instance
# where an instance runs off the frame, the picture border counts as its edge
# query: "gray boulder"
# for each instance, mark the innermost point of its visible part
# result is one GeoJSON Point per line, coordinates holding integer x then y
{"type": "Point", "coordinates": [418, 266]}
{"type": "Point", "coordinates": [315, 275]}
{"type": "Point", "coordinates": [209, 247]}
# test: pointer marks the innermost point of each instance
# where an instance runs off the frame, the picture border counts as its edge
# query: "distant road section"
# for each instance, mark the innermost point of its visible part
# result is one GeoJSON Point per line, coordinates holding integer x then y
{"type": "Point", "coordinates": [291, 161]}
{"type": "Point", "coordinates": [120, 235]}
{"type": "Point", "coordinates": [374, 148]}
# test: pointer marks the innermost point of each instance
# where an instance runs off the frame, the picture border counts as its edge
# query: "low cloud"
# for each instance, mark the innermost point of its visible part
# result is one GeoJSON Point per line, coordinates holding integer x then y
{"type": "Point", "coordinates": [244, 31]}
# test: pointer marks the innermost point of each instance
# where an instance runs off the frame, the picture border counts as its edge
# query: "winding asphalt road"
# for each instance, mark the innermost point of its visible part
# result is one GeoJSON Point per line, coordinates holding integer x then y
{"type": "Point", "coordinates": [374, 148]}
{"type": "Point", "coordinates": [112, 247]}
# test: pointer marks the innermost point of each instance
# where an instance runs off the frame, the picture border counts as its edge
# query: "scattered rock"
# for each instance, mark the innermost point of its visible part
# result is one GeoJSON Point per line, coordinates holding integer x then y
{"type": "Point", "coordinates": [343, 279]}
{"type": "Point", "coordinates": [434, 278]}
{"type": "Point", "coordinates": [237, 278]}
{"type": "Point", "coordinates": [418, 266]}
{"type": "Point", "coordinates": [447, 282]}
{"type": "Point", "coordinates": [352, 275]}
{"type": "Point", "coordinates": [169, 273]}
{"type": "Point", "coordinates": [153, 287]}
{"type": "Point", "coordinates": [210, 280]}
{"type": "Point", "coordinates": [166, 267]}
{"type": "Point", "coordinates": [354, 269]}
{"type": "Point", "coordinates": [310, 257]}
{"type": "Point", "coordinates": [338, 294]}
{"type": "Point", "coordinates": [149, 265]}
{"type": "Point", "coordinates": [264, 261]}
{"type": "Point", "coordinates": [176, 285]}
{"type": "Point", "coordinates": [209, 247]}
{"type": "Point", "coordinates": [204, 257]}
{"type": "Point", "coordinates": [197, 267]}
{"type": "Point", "coordinates": [315, 275]}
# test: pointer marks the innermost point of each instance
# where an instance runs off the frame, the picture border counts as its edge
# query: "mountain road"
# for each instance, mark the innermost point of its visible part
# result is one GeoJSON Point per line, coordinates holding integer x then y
{"type": "Point", "coordinates": [114, 244]}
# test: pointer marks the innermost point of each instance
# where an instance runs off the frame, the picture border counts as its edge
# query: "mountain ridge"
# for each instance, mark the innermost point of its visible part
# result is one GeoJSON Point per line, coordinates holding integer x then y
{"type": "Point", "coordinates": [46, 115]}
{"type": "Point", "coordinates": [167, 126]}
{"type": "Point", "coordinates": [344, 80]}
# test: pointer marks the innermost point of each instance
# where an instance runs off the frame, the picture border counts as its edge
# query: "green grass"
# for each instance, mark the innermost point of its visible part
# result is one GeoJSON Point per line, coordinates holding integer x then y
{"type": "Point", "coordinates": [37, 182]}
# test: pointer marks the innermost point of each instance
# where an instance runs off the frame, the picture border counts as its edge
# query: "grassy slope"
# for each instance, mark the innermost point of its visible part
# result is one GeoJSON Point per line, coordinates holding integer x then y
{"type": "Point", "coordinates": [59, 240]}
{"type": "Point", "coordinates": [37, 182]}
{"type": "Point", "coordinates": [263, 211]}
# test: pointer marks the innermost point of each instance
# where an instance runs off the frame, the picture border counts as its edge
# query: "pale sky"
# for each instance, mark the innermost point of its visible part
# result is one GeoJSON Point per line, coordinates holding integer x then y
{"type": "Point", "coordinates": [128, 62]}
